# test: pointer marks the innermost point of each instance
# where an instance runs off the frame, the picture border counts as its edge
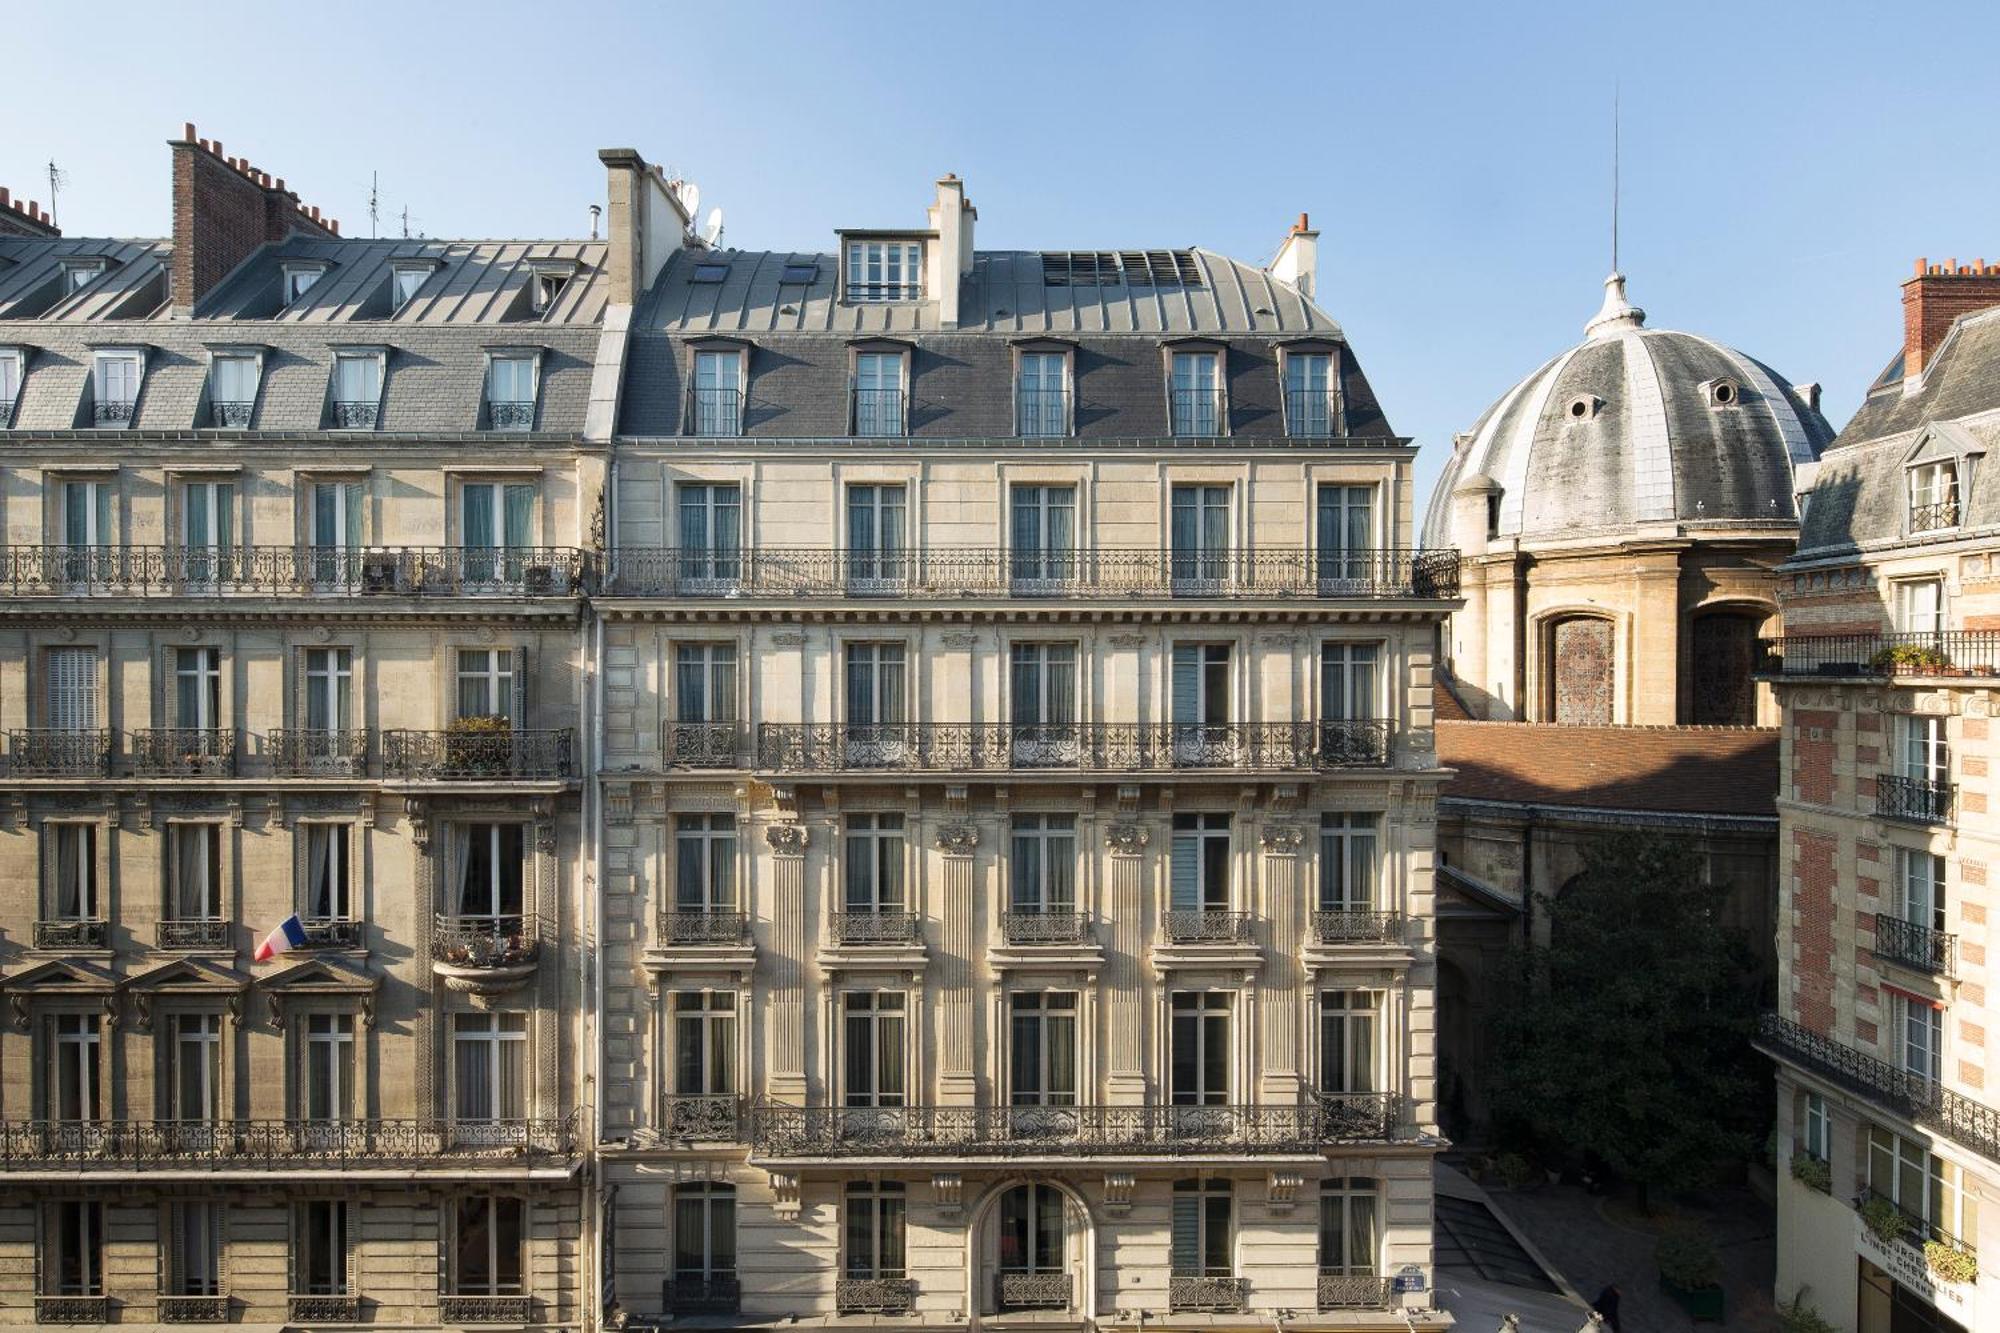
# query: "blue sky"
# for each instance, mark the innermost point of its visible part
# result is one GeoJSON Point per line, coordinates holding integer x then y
{"type": "Point", "coordinates": [1784, 163]}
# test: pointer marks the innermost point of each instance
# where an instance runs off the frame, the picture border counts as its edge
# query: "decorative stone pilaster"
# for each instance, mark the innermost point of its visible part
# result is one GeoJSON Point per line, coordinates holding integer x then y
{"type": "Point", "coordinates": [1126, 910]}
{"type": "Point", "coordinates": [1278, 981]}
{"type": "Point", "coordinates": [958, 1079]}
{"type": "Point", "coordinates": [788, 951]}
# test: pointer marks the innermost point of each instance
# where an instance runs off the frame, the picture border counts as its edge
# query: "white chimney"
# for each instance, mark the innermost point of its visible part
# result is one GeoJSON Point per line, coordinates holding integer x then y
{"type": "Point", "coordinates": [951, 219]}
{"type": "Point", "coordinates": [1298, 258]}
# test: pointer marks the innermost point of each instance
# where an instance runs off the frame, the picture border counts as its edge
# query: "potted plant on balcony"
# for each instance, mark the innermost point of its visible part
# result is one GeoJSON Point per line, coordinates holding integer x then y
{"type": "Point", "coordinates": [1950, 1262]}
{"type": "Point", "coordinates": [1884, 1220]}
{"type": "Point", "coordinates": [1690, 1272]}
{"type": "Point", "coordinates": [479, 744]}
{"type": "Point", "coordinates": [1911, 659]}
{"type": "Point", "coordinates": [1811, 1172]}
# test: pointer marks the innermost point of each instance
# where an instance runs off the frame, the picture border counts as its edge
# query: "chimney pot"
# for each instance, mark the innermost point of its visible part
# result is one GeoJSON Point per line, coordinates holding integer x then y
{"type": "Point", "coordinates": [35, 207]}
{"type": "Point", "coordinates": [3, 197]}
{"type": "Point", "coordinates": [187, 132]}
{"type": "Point", "coordinates": [281, 182]}
{"type": "Point", "coordinates": [1304, 224]}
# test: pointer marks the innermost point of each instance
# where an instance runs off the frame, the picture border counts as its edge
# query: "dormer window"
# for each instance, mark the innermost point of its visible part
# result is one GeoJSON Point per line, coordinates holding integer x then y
{"type": "Point", "coordinates": [1934, 496]}
{"type": "Point", "coordinates": [1195, 393]}
{"type": "Point", "coordinates": [510, 390]}
{"type": "Point", "coordinates": [232, 389]}
{"type": "Point", "coordinates": [299, 279]}
{"type": "Point", "coordinates": [80, 273]}
{"type": "Point", "coordinates": [409, 279]}
{"type": "Point", "coordinates": [10, 384]}
{"type": "Point", "coordinates": [1312, 395]}
{"type": "Point", "coordinates": [357, 389]}
{"type": "Point", "coordinates": [547, 285]}
{"type": "Point", "coordinates": [115, 376]}
{"type": "Point", "coordinates": [885, 270]}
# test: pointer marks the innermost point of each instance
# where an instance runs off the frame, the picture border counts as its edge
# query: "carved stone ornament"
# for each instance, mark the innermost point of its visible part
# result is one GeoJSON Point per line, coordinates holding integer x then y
{"type": "Point", "coordinates": [959, 639]}
{"type": "Point", "coordinates": [1118, 1191]}
{"type": "Point", "coordinates": [957, 839]}
{"type": "Point", "coordinates": [788, 639]}
{"type": "Point", "coordinates": [1126, 839]}
{"type": "Point", "coordinates": [419, 816]}
{"type": "Point", "coordinates": [786, 839]}
{"type": "Point", "coordinates": [949, 1187]}
{"type": "Point", "coordinates": [785, 1194]}
{"type": "Point", "coordinates": [1284, 1188]}
{"type": "Point", "coordinates": [1125, 640]}
{"type": "Point", "coordinates": [1282, 839]}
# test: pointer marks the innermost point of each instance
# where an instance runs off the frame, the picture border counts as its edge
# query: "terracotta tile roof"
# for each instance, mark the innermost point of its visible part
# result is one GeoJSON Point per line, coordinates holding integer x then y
{"type": "Point", "coordinates": [1450, 708]}
{"type": "Point", "coordinates": [1693, 770]}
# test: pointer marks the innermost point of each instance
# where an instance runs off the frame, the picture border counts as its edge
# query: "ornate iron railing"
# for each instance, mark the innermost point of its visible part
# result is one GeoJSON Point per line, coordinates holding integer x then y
{"type": "Point", "coordinates": [300, 571]}
{"type": "Point", "coordinates": [1351, 926]}
{"type": "Point", "coordinates": [484, 941]}
{"type": "Point", "coordinates": [229, 416]}
{"type": "Point", "coordinates": [716, 1293]}
{"type": "Point", "coordinates": [879, 413]}
{"type": "Point", "coordinates": [514, 1310]}
{"type": "Point", "coordinates": [780, 1130]}
{"type": "Point", "coordinates": [1913, 945]}
{"type": "Point", "coordinates": [705, 1117]}
{"type": "Point", "coordinates": [332, 934]}
{"type": "Point", "coordinates": [280, 1144]}
{"type": "Point", "coordinates": [71, 933]}
{"type": "Point", "coordinates": [715, 412]}
{"type": "Point", "coordinates": [192, 1309]}
{"type": "Point", "coordinates": [314, 753]}
{"type": "Point", "coordinates": [304, 1308]}
{"type": "Point", "coordinates": [1203, 925]}
{"type": "Point", "coordinates": [1921, 1101]}
{"type": "Point", "coordinates": [957, 747]}
{"type": "Point", "coordinates": [1040, 926]}
{"type": "Point", "coordinates": [356, 416]}
{"type": "Point", "coordinates": [46, 752]}
{"type": "Point", "coordinates": [704, 745]}
{"type": "Point", "coordinates": [195, 933]}
{"type": "Point", "coordinates": [1032, 1291]}
{"type": "Point", "coordinates": [702, 926]}
{"type": "Point", "coordinates": [1200, 1293]}
{"type": "Point", "coordinates": [183, 752]}
{"type": "Point", "coordinates": [1919, 800]}
{"type": "Point", "coordinates": [1353, 1291]}
{"type": "Point", "coordinates": [114, 413]}
{"type": "Point", "coordinates": [1312, 414]}
{"type": "Point", "coordinates": [478, 754]}
{"type": "Point", "coordinates": [1932, 517]}
{"type": "Point", "coordinates": [1972, 652]}
{"type": "Point", "coordinates": [874, 1295]}
{"type": "Point", "coordinates": [72, 1309]}
{"type": "Point", "coordinates": [510, 416]}
{"type": "Point", "coordinates": [1917, 1228]}
{"type": "Point", "coordinates": [971, 571]}
{"type": "Point", "coordinates": [873, 927]}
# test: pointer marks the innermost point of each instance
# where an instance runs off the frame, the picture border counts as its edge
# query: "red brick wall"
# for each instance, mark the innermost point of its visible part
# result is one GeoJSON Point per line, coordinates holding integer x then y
{"type": "Point", "coordinates": [224, 209]}
{"type": "Point", "coordinates": [29, 219]}
{"type": "Point", "coordinates": [1812, 755]}
{"type": "Point", "coordinates": [1813, 877]}
{"type": "Point", "coordinates": [1939, 294]}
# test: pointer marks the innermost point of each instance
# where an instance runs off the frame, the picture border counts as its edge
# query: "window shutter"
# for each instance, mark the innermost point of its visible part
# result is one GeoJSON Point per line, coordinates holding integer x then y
{"type": "Point", "coordinates": [352, 495]}
{"type": "Point", "coordinates": [1187, 685]}
{"type": "Point", "coordinates": [1185, 887]}
{"type": "Point", "coordinates": [520, 509]}
{"type": "Point", "coordinates": [1187, 1235]}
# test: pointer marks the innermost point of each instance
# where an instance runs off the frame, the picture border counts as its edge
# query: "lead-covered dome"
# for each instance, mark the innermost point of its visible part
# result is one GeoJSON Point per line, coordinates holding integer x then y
{"type": "Point", "coordinates": [1630, 428]}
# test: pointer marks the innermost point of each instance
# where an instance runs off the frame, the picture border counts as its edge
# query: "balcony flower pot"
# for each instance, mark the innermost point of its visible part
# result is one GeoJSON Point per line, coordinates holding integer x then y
{"type": "Point", "coordinates": [1884, 1221]}
{"type": "Point", "coordinates": [1949, 1263]}
{"type": "Point", "coordinates": [1691, 1273]}
{"type": "Point", "coordinates": [478, 744]}
{"type": "Point", "coordinates": [1812, 1173]}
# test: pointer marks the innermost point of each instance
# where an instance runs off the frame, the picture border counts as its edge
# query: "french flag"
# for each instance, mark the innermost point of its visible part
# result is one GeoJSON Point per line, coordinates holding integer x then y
{"type": "Point", "coordinates": [289, 935]}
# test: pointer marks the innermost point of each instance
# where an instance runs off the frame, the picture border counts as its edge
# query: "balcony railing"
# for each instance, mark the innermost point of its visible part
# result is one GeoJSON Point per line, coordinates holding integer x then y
{"type": "Point", "coordinates": [1919, 800]}
{"type": "Point", "coordinates": [195, 933]}
{"type": "Point", "coordinates": [1353, 1291]}
{"type": "Point", "coordinates": [874, 1295]}
{"type": "Point", "coordinates": [879, 413]}
{"type": "Point", "coordinates": [1041, 413]}
{"type": "Point", "coordinates": [717, 1293]}
{"type": "Point", "coordinates": [51, 753]}
{"type": "Point", "coordinates": [1971, 652]}
{"type": "Point", "coordinates": [322, 1309]}
{"type": "Point", "coordinates": [715, 412]}
{"type": "Point", "coordinates": [1212, 1295]}
{"type": "Point", "coordinates": [702, 925]}
{"type": "Point", "coordinates": [1934, 517]}
{"type": "Point", "coordinates": [1197, 412]}
{"type": "Point", "coordinates": [1032, 1291]}
{"type": "Point", "coordinates": [1351, 926]}
{"type": "Point", "coordinates": [484, 941]}
{"type": "Point", "coordinates": [192, 1309]}
{"type": "Point", "coordinates": [301, 571]}
{"type": "Point", "coordinates": [1201, 925]}
{"type": "Point", "coordinates": [704, 745]}
{"type": "Point", "coordinates": [1914, 946]}
{"type": "Point", "coordinates": [72, 933]}
{"type": "Point", "coordinates": [229, 416]}
{"type": "Point", "coordinates": [114, 413]}
{"type": "Point", "coordinates": [313, 753]}
{"type": "Point", "coordinates": [1312, 414]}
{"type": "Point", "coordinates": [183, 752]}
{"type": "Point", "coordinates": [1046, 926]}
{"type": "Point", "coordinates": [62, 1145]}
{"type": "Point", "coordinates": [702, 1117]}
{"type": "Point", "coordinates": [779, 1130]}
{"type": "Point", "coordinates": [510, 416]}
{"type": "Point", "coordinates": [331, 934]}
{"type": "Point", "coordinates": [971, 571]}
{"type": "Point", "coordinates": [478, 755]}
{"type": "Point", "coordinates": [512, 1310]}
{"type": "Point", "coordinates": [961, 747]}
{"type": "Point", "coordinates": [72, 1309]}
{"type": "Point", "coordinates": [1921, 1101]}
{"type": "Point", "coordinates": [873, 927]}
{"type": "Point", "coordinates": [1917, 1228]}
{"type": "Point", "coordinates": [356, 416]}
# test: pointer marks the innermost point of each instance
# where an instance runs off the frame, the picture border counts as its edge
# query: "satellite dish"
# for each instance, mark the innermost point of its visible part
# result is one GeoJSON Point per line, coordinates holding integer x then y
{"type": "Point", "coordinates": [712, 233]}
{"type": "Point", "coordinates": [691, 199]}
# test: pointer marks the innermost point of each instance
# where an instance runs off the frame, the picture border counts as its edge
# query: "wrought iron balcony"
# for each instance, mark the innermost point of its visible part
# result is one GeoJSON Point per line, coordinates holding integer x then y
{"type": "Point", "coordinates": [192, 1309]}
{"type": "Point", "coordinates": [292, 571]}
{"type": "Point", "coordinates": [879, 413]}
{"type": "Point", "coordinates": [873, 927]}
{"type": "Point", "coordinates": [478, 755]}
{"type": "Point", "coordinates": [1312, 414]}
{"type": "Point", "coordinates": [229, 416]}
{"type": "Point", "coordinates": [1041, 413]}
{"type": "Point", "coordinates": [1202, 925]}
{"type": "Point", "coordinates": [1043, 926]}
{"type": "Point", "coordinates": [356, 416]}
{"type": "Point", "coordinates": [716, 1293]}
{"type": "Point", "coordinates": [1349, 926]}
{"type": "Point", "coordinates": [1973, 652]}
{"type": "Point", "coordinates": [485, 941]}
{"type": "Point", "coordinates": [72, 1309]}
{"type": "Point", "coordinates": [1198, 412]}
{"type": "Point", "coordinates": [1115, 747]}
{"type": "Point", "coordinates": [702, 925]}
{"type": "Point", "coordinates": [1353, 1291]}
{"type": "Point", "coordinates": [701, 1117]}
{"type": "Point", "coordinates": [1919, 800]}
{"type": "Point", "coordinates": [516, 1311]}
{"type": "Point", "coordinates": [114, 413]}
{"type": "Point", "coordinates": [1032, 1291]}
{"type": "Point", "coordinates": [322, 1309]}
{"type": "Point", "coordinates": [715, 412]}
{"type": "Point", "coordinates": [874, 1295]}
{"type": "Point", "coordinates": [183, 752]}
{"type": "Point", "coordinates": [1917, 1228]}
{"type": "Point", "coordinates": [195, 933]}
{"type": "Point", "coordinates": [783, 1131]}
{"type": "Point", "coordinates": [331, 933]}
{"type": "Point", "coordinates": [6, 412]}
{"type": "Point", "coordinates": [1914, 946]}
{"type": "Point", "coordinates": [510, 416]}
{"type": "Point", "coordinates": [311, 1145]}
{"type": "Point", "coordinates": [1921, 1101]}
{"type": "Point", "coordinates": [1934, 517]}
{"type": "Point", "coordinates": [952, 573]}
{"type": "Point", "coordinates": [72, 933]}
{"type": "Point", "coordinates": [315, 753]}
{"type": "Point", "coordinates": [46, 752]}
{"type": "Point", "coordinates": [1201, 1294]}
{"type": "Point", "coordinates": [704, 745]}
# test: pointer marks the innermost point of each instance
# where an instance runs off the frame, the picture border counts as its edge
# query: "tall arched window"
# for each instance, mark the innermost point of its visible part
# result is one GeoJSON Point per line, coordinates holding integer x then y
{"type": "Point", "coordinates": [1581, 683]}
{"type": "Point", "coordinates": [1722, 661]}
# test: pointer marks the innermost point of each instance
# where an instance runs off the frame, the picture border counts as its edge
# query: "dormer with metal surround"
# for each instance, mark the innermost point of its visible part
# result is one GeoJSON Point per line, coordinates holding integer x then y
{"type": "Point", "coordinates": [117, 378]}
{"type": "Point", "coordinates": [883, 266]}
{"type": "Point", "coordinates": [13, 367]}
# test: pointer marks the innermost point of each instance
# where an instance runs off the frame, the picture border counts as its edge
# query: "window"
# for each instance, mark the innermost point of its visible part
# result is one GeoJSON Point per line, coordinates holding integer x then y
{"type": "Point", "coordinates": [1041, 394]}
{"type": "Point", "coordinates": [1816, 1127]}
{"type": "Point", "coordinates": [875, 685]}
{"type": "Point", "coordinates": [486, 683]}
{"type": "Point", "coordinates": [72, 689]}
{"type": "Point", "coordinates": [1203, 1229]}
{"type": "Point", "coordinates": [86, 513]}
{"type": "Point", "coordinates": [1042, 864]}
{"type": "Point", "coordinates": [495, 519]}
{"type": "Point", "coordinates": [1044, 534]}
{"type": "Point", "coordinates": [486, 1259]}
{"type": "Point", "coordinates": [1200, 689]}
{"type": "Point", "coordinates": [409, 279]}
{"type": "Point", "coordinates": [80, 273]}
{"type": "Point", "coordinates": [1920, 879]}
{"type": "Point", "coordinates": [1922, 754]}
{"type": "Point", "coordinates": [334, 530]}
{"type": "Point", "coordinates": [197, 689]}
{"type": "Point", "coordinates": [115, 380]}
{"type": "Point", "coordinates": [1347, 859]}
{"type": "Point", "coordinates": [194, 872]}
{"type": "Point", "coordinates": [1919, 1035]}
{"type": "Point", "coordinates": [208, 527]}
{"type": "Point", "coordinates": [1042, 1045]}
{"type": "Point", "coordinates": [884, 270]}
{"type": "Point", "coordinates": [878, 394]}
{"type": "Point", "coordinates": [300, 279]}
{"type": "Point", "coordinates": [490, 864]}
{"type": "Point", "coordinates": [73, 1248]}
{"type": "Point", "coordinates": [1919, 606]}
{"type": "Point", "coordinates": [1042, 685]}
{"type": "Point", "coordinates": [872, 1030]}
{"type": "Point", "coordinates": [1934, 496]}
{"type": "Point", "coordinates": [1200, 522]}
{"type": "Point", "coordinates": [510, 392]}
{"type": "Point", "coordinates": [194, 1068]}
{"type": "Point", "coordinates": [490, 1068]}
{"type": "Point", "coordinates": [1196, 394]}
{"type": "Point", "coordinates": [1031, 1229]}
{"type": "Point", "coordinates": [874, 1229]}
{"type": "Point", "coordinates": [357, 390]}
{"type": "Point", "coordinates": [874, 864]}
{"type": "Point", "coordinates": [10, 384]}
{"type": "Point", "coordinates": [1349, 1226]}
{"type": "Point", "coordinates": [1348, 674]}
{"type": "Point", "coordinates": [711, 516]}
{"type": "Point", "coordinates": [876, 534]}
{"type": "Point", "coordinates": [705, 863]}
{"type": "Point", "coordinates": [232, 389]}
{"type": "Point", "coordinates": [718, 393]}
{"type": "Point", "coordinates": [1349, 1027]}
{"type": "Point", "coordinates": [1346, 535]}
{"type": "Point", "coordinates": [329, 884]}
{"type": "Point", "coordinates": [803, 273]}
{"type": "Point", "coordinates": [1312, 395]}
{"type": "Point", "coordinates": [1201, 1048]}
{"type": "Point", "coordinates": [546, 288]}
{"type": "Point", "coordinates": [329, 676]}
{"type": "Point", "coordinates": [705, 1232]}
{"type": "Point", "coordinates": [75, 1052]}
{"type": "Point", "coordinates": [70, 852]}
{"type": "Point", "coordinates": [705, 682]}
{"type": "Point", "coordinates": [327, 1083]}
{"type": "Point", "coordinates": [704, 1043]}
{"type": "Point", "coordinates": [194, 1248]}
{"type": "Point", "coordinates": [319, 1248]}
{"type": "Point", "coordinates": [1200, 872]}
{"type": "Point", "coordinates": [1923, 1185]}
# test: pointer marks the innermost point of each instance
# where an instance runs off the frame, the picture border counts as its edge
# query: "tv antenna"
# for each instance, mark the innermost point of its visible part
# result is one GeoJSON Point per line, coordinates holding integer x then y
{"type": "Point", "coordinates": [711, 234]}
{"type": "Point", "coordinates": [57, 179]}
{"type": "Point", "coordinates": [374, 201]}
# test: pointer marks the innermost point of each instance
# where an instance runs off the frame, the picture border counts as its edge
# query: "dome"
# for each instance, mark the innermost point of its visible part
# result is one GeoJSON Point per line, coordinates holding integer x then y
{"type": "Point", "coordinates": [1632, 427]}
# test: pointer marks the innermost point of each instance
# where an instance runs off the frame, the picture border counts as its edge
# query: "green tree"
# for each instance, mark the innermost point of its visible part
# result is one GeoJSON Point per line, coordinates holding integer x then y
{"type": "Point", "coordinates": [1627, 1038]}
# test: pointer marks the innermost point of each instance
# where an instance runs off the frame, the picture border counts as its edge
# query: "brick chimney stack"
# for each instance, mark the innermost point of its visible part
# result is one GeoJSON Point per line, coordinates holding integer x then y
{"type": "Point", "coordinates": [29, 219]}
{"type": "Point", "coordinates": [1937, 295]}
{"type": "Point", "coordinates": [224, 208]}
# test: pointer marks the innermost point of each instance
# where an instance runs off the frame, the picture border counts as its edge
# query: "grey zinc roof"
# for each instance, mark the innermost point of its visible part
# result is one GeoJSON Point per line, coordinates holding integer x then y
{"type": "Point", "coordinates": [1005, 294]}
{"type": "Point", "coordinates": [1962, 379]}
{"type": "Point", "coordinates": [476, 282]}
{"type": "Point", "coordinates": [132, 286]}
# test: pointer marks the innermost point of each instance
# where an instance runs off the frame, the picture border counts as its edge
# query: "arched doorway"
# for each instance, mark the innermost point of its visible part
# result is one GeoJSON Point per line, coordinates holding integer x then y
{"type": "Point", "coordinates": [1032, 1251]}
{"type": "Point", "coordinates": [1722, 662]}
{"type": "Point", "coordinates": [1581, 659]}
